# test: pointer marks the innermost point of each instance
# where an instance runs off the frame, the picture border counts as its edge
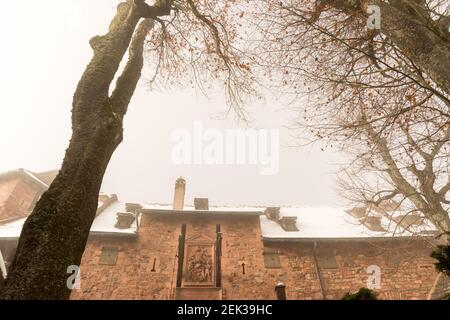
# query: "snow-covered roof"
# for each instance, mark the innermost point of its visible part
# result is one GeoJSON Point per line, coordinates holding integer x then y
{"type": "Point", "coordinates": [167, 208]}
{"type": "Point", "coordinates": [11, 230]}
{"type": "Point", "coordinates": [104, 224]}
{"type": "Point", "coordinates": [331, 223]}
{"type": "Point", "coordinates": [312, 222]}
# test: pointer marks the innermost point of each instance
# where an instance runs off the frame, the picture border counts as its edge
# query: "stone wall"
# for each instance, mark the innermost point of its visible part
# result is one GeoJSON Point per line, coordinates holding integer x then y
{"type": "Point", "coordinates": [146, 266]}
{"type": "Point", "coordinates": [16, 198]}
{"type": "Point", "coordinates": [407, 270]}
{"type": "Point", "coordinates": [157, 245]}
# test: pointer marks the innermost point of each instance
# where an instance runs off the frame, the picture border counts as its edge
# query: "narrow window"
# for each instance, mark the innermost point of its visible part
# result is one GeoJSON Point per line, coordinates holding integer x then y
{"type": "Point", "coordinates": [109, 256]}
{"type": "Point", "coordinates": [272, 260]}
{"type": "Point", "coordinates": [327, 260]}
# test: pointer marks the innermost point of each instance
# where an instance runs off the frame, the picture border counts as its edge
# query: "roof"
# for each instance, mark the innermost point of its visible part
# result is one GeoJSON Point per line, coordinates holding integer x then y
{"type": "Point", "coordinates": [46, 177]}
{"type": "Point", "coordinates": [104, 224]}
{"type": "Point", "coordinates": [213, 210]}
{"type": "Point", "coordinates": [11, 230]}
{"type": "Point", "coordinates": [331, 223]}
{"type": "Point", "coordinates": [312, 222]}
{"type": "Point", "coordinates": [43, 179]}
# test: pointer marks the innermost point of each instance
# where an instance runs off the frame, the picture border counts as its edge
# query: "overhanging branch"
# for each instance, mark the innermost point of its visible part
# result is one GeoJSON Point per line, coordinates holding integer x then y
{"type": "Point", "coordinates": [161, 8]}
{"type": "Point", "coordinates": [127, 82]}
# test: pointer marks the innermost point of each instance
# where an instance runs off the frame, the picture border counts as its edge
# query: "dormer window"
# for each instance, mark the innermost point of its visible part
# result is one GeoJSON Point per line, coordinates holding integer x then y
{"type": "Point", "coordinates": [109, 256]}
{"type": "Point", "coordinates": [124, 220]}
{"type": "Point", "coordinates": [273, 213]}
{"type": "Point", "coordinates": [409, 220]}
{"type": "Point", "coordinates": [374, 224]}
{"type": "Point", "coordinates": [357, 212]}
{"type": "Point", "coordinates": [288, 223]}
{"type": "Point", "coordinates": [271, 259]}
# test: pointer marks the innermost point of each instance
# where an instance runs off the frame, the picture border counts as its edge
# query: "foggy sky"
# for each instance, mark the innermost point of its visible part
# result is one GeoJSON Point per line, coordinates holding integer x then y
{"type": "Point", "coordinates": [44, 51]}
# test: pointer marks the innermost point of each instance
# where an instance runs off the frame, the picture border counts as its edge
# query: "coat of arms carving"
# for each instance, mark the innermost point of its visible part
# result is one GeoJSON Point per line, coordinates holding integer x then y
{"type": "Point", "coordinates": [199, 262]}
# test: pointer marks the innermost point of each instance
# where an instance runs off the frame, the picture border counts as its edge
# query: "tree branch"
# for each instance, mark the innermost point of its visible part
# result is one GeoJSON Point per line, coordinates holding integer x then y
{"type": "Point", "coordinates": [127, 82]}
{"type": "Point", "coordinates": [161, 8]}
{"type": "Point", "coordinates": [212, 28]}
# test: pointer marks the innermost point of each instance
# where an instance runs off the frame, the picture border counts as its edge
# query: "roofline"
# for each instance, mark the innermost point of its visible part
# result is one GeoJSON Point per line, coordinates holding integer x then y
{"type": "Point", "coordinates": [273, 239]}
{"type": "Point", "coordinates": [27, 174]}
{"type": "Point", "coordinates": [284, 239]}
{"type": "Point", "coordinates": [114, 234]}
{"type": "Point", "coordinates": [13, 219]}
{"type": "Point", "coordinates": [36, 179]}
{"type": "Point", "coordinates": [91, 233]}
{"type": "Point", "coordinates": [12, 238]}
{"type": "Point", "coordinates": [201, 212]}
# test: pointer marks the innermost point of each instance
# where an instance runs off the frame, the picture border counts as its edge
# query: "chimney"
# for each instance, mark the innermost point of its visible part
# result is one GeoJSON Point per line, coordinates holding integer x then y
{"type": "Point", "coordinates": [178, 197]}
{"type": "Point", "coordinates": [201, 204]}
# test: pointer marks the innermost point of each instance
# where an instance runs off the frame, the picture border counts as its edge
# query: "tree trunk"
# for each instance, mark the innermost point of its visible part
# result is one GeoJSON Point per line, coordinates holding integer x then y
{"type": "Point", "coordinates": [55, 234]}
{"type": "Point", "coordinates": [409, 25]}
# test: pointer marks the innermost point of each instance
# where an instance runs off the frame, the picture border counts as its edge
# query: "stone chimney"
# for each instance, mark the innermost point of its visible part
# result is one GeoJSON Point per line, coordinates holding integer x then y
{"type": "Point", "coordinates": [178, 197]}
{"type": "Point", "coordinates": [201, 204]}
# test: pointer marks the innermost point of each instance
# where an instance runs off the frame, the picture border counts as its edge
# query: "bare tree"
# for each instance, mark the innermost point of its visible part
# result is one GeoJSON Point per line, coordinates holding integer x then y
{"type": "Point", "coordinates": [193, 42]}
{"type": "Point", "coordinates": [320, 50]}
{"type": "Point", "coordinates": [380, 94]}
{"type": "Point", "coordinates": [406, 168]}
{"type": "Point", "coordinates": [377, 94]}
{"type": "Point", "coordinates": [418, 28]}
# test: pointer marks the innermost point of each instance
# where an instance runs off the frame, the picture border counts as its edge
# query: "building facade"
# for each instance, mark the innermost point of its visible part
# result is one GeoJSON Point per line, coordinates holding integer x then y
{"type": "Point", "coordinates": [176, 251]}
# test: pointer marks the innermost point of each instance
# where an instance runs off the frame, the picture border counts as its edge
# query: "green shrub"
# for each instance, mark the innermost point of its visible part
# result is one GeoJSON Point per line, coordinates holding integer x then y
{"type": "Point", "coordinates": [362, 294]}
{"type": "Point", "coordinates": [442, 255]}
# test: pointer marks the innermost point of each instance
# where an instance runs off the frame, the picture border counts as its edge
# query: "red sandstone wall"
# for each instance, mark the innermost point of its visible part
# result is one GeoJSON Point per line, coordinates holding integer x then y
{"type": "Point", "coordinates": [131, 277]}
{"type": "Point", "coordinates": [16, 198]}
{"type": "Point", "coordinates": [407, 270]}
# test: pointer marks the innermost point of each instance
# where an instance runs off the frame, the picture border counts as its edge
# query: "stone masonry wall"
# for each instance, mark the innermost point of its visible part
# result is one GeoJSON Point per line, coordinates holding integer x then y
{"type": "Point", "coordinates": [407, 270]}
{"type": "Point", "coordinates": [132, 276]}
{"type": "Point", "coordinates": [146, 266]}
